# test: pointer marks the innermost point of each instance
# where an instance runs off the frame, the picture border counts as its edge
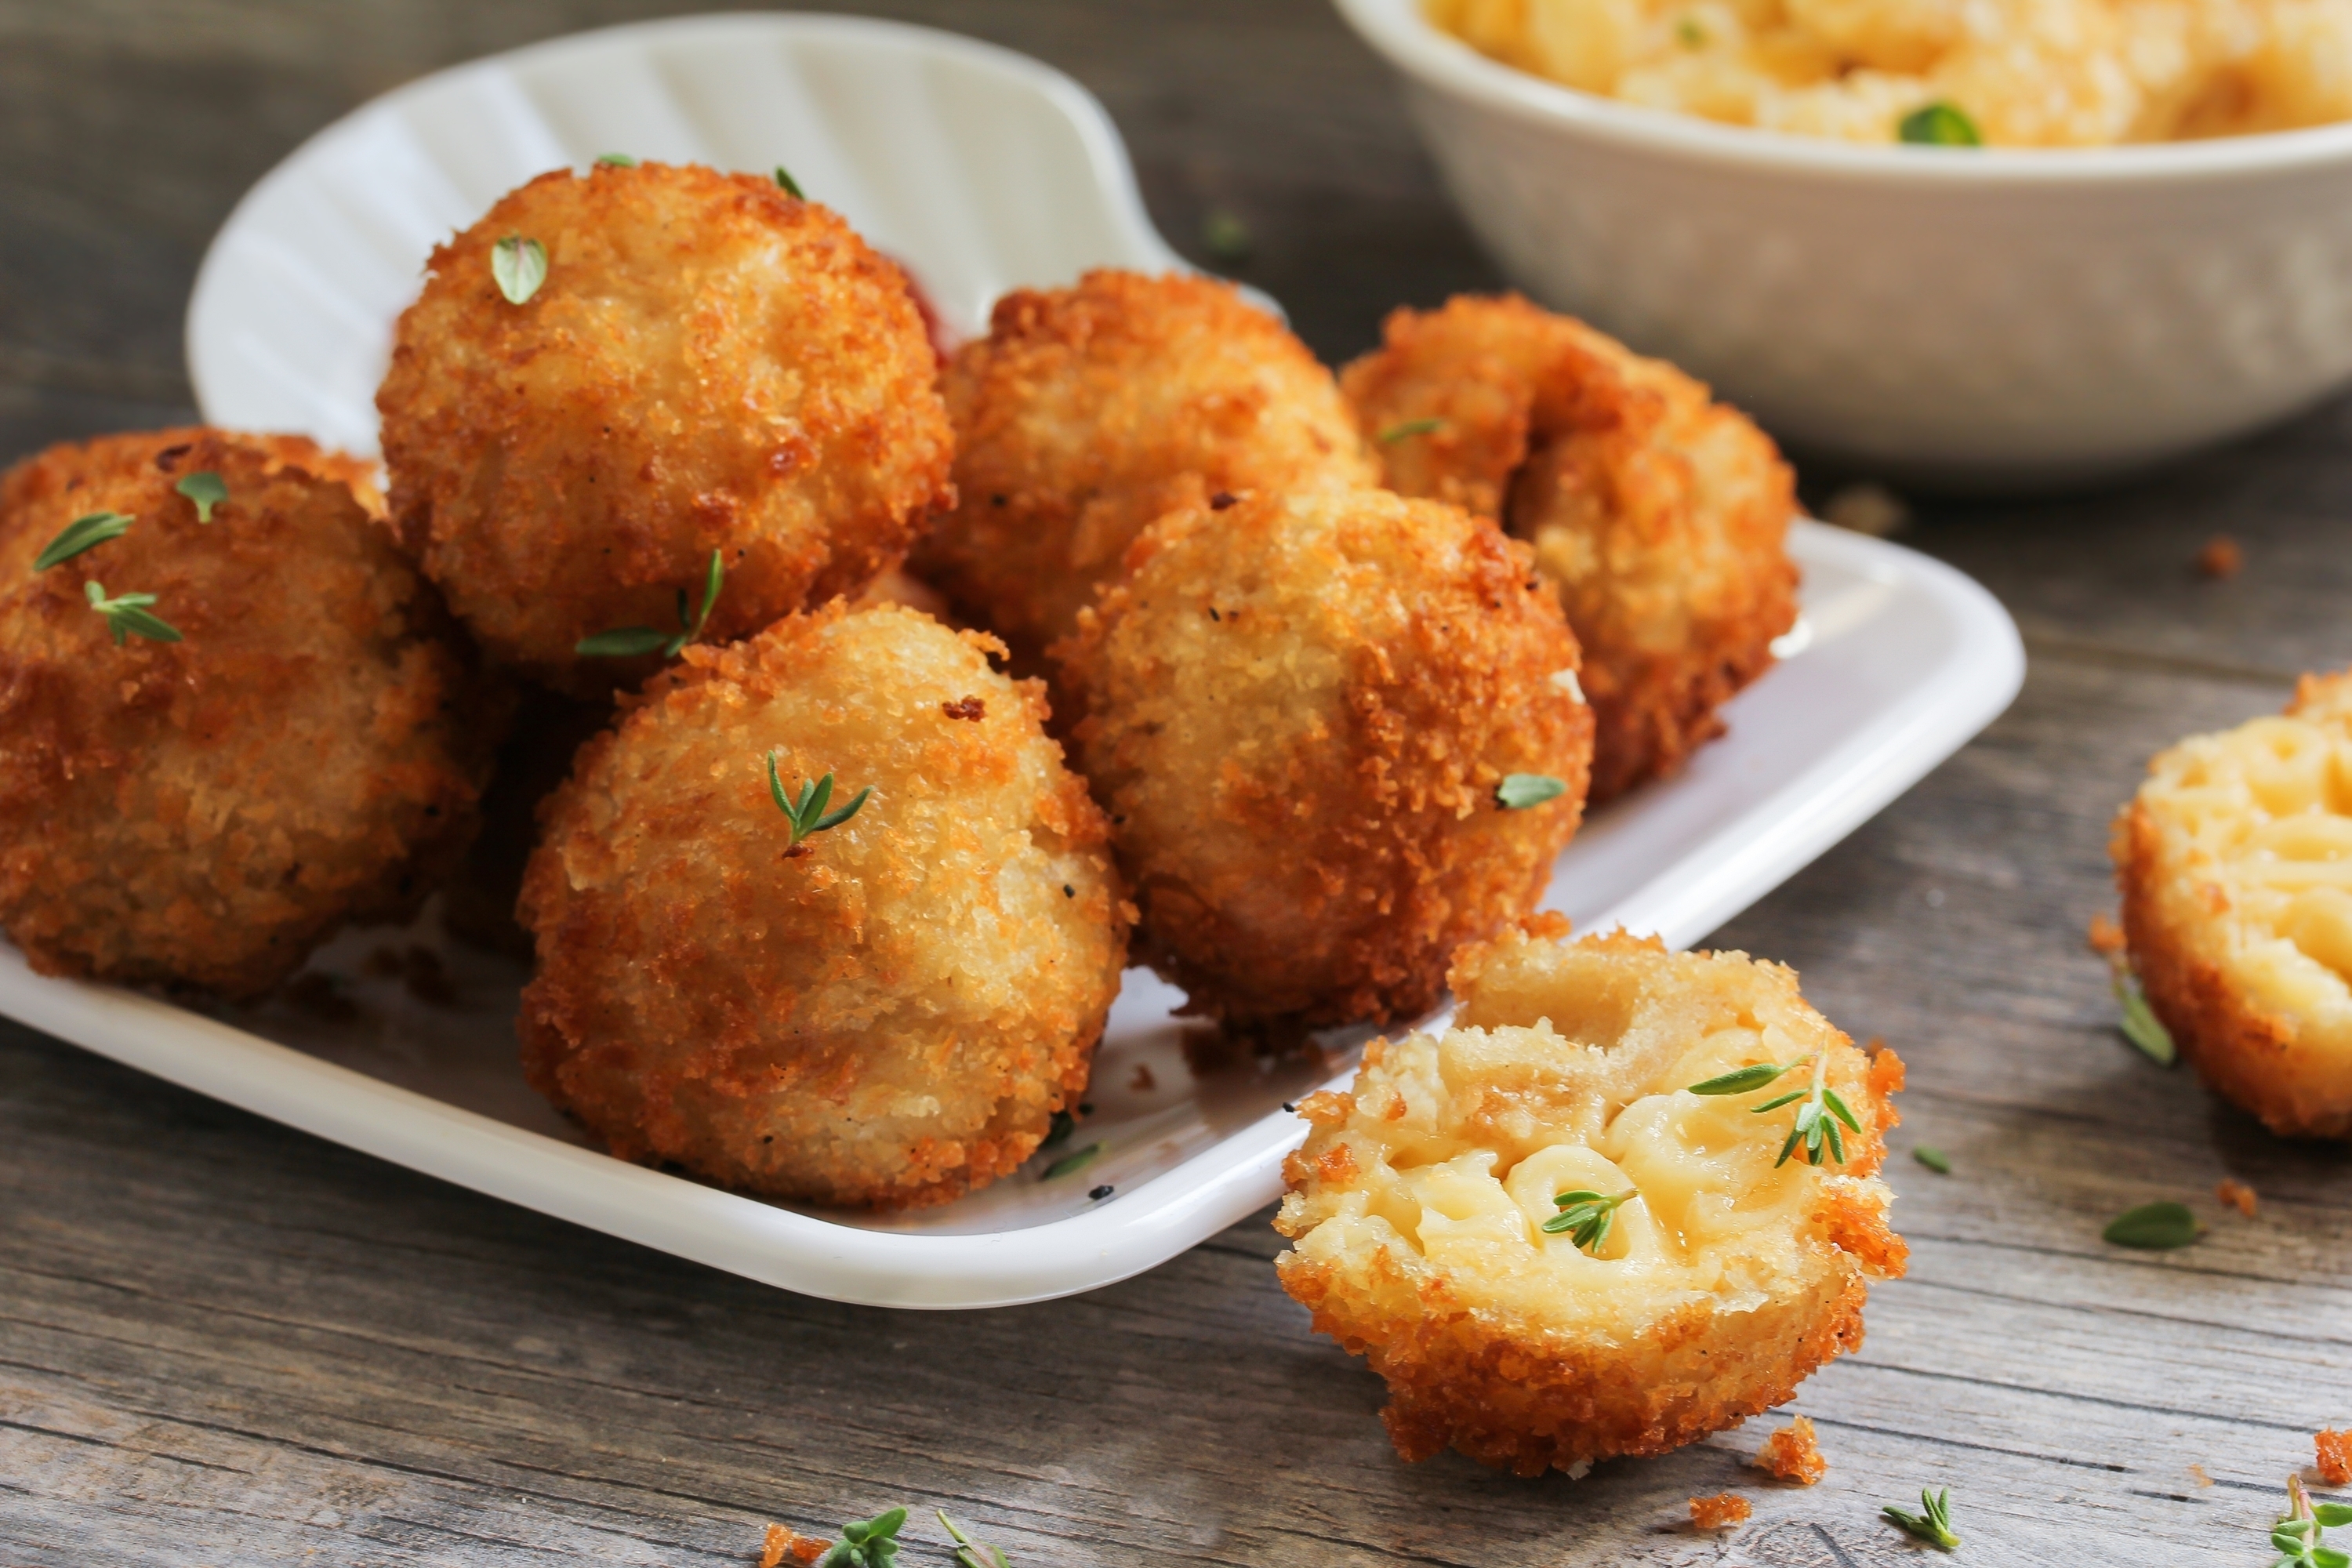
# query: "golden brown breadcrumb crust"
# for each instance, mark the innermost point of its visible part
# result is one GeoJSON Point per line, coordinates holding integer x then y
{"type": "Point", "coordinates": [1297, 710]}
{"type": "Point", "coordinates": [2189, 937]}
{"type": "Point", "coordinates": [1791, 1454]}
{"type": "Point", "coordinates": [1503, 1380]}
{"type": "Point", "coordinates": [710, 364]}
{"type": "Point", "coordinates": [887, 1014]}
{"type": "Point", "coordinates": [1088, 410]}
{"type": "Point", "coordinates": [2334, 1456]}
{"type": "Point", "coordinates": [1720, 1511]}
{"type": "Point", "coordinates": [206, 812]}
{"type": "Point", "coordinates": [1662, 515]}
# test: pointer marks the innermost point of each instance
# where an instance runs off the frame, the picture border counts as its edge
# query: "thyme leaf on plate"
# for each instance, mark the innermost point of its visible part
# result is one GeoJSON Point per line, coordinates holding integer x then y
{"type": "Point", "coordinates": [2153, 1227]}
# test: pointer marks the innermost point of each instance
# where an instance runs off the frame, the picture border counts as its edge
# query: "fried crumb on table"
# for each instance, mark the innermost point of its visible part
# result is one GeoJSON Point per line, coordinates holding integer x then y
{"type": "Point", "coordinates": [1720, 1511]}
{"type": "Point", "coordinates": [2107, 936]}
{"type": "Point", "coordinates": [2220, 558]}
{"type": "Point", "coordinates": [2238, 1195]}
{"type": "Point", "coordinates": [2334, 1456]}
{"type": "Point", "coordinates": [1791, 1454]}
{"type": "Point", "coordinates": [785, 1542]}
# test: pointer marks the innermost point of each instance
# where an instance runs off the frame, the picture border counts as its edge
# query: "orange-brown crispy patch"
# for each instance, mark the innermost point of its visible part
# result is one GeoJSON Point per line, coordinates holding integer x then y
{"type": "Point", "coordinates": [1791, 1454]}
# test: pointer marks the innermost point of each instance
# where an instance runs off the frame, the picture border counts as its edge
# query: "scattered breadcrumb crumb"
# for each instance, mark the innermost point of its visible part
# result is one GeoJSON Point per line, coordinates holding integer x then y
{"type": "Point", "coordinates": [2237, 1195]}
{"type": "Point", "coordinates": [784, 1541]}
{"type": "Point", "coordinates": [2196, 1473]}
{"type": "Point", "coordinates": [2107, 936]}
{"type": "Point", "coordinates": [1720, 1511]}
{"type": "Point", "coordinates": [1867, 508]}
{"type": "Point", "coordinates": [2220, 558]}
{"type": "Point", "coordinates": [1793, 1455]}
{"type": "Point", "coordinates": [2335, 1450]}
{"type": "Point", "coordinates": [1143, 1080]}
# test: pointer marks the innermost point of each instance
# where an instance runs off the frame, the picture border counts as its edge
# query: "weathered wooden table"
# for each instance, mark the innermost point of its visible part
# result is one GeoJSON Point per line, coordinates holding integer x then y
{"type": "Point", "coordinates": [224, 1343]}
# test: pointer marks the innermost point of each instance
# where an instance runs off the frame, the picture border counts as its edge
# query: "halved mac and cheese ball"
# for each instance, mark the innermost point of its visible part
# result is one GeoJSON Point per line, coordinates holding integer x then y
{"type": "Point", "coordinates": [1661, 515]}
{"type": "Point", "coordinates": [1551, 1247]}
{"type": "Point", "coordinates": [2235, 864]}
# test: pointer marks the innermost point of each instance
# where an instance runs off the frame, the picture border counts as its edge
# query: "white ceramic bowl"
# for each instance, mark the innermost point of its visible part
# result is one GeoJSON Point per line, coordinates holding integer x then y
{"type": "Point", "coordinates": [1981, 316]}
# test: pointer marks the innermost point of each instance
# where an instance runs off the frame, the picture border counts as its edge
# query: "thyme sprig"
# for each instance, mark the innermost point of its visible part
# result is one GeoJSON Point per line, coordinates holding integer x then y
{"type": "Point", "coordinates": [1584, 1215]}
{"type": "Point", "coordinates": [206, 490]}
{"type": "Point", "coordinates": [519, 266]}
{"type": "Point", "coordinates": [1938, 124]}
{"type": "Point", "coordinates": [1932, 1524]}
{"type": "Point", "coordinates": [867, 1543]}
{"type": "Point", "coordinates": [807, 812]}
{"type": "Point", "coordinates": [127, 613]}
{"type": "Point", "coordinates": [1409, 428]}
{"type": "Point", "coordinates": [967, 1552]}
{"type": "Point", "coordinates": [1816, 1127]}
{"type": "Point", "coordinates": [2300, 1534]}
{"type": "Point", "coordinates": [82, 534]}
{"type": "Point", "coordinates": [635, 642]}
{"type": "Point", "coordinates": [2139, 1022]}
{"type": "Point", "coordinates": [791, 186]}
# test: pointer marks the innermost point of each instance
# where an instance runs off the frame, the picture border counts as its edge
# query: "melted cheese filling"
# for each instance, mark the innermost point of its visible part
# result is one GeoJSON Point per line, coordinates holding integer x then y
{"type": "Point", "coordinates": [2266, 813]}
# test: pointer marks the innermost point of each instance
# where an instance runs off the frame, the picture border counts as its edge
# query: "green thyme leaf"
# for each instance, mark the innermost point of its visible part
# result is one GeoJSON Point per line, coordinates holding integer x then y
{"type": "Point", "coordinates": [1584, 1215]}
{"type": "Point", "coordinates": [867, 1543]}
{"type": "Point", "coordinates": [206, 490]}
{"type": "Point", "coordinates": [2153, 1227]}
{"type": "Point", "coordinates": [1225, 236]}
{"type": "Point", "coordinates": [615, 160]}
{"type": "Point", "coordinates": [1778, 1100]}
{"type": "Point", "coordinates": [1689, 34]}
{"type": "Point", "coordinates": [1058, 1131]}
{"type": "Point", "coordinates": [1934, 1159]}
{"type": "Point", "coordinates": [2139, 1024]}
{"type": "Point", "coordinates": [791, 186]}
{"type": "Point", "coordinates": [126, 614]}
{"type": "Point", "coordinates": [807, 812]}
{"type": "Point", "coordinates": [2334, 1515]}
{"type": "Point", "coordinates": [1076, 1160]}
{"type": "Point", "coordinates": [520, 266]}
{"type": "Point", "coordinates": [1520, 791]}
{"type": "Point", "coordinates": [1404, 428]}
{"type": "Point", "coordinates": [1837, 1107]}
{"type": "Point", "coordinates": [82, 534]}
{"type": "Point", "coordinates": [625, 642]}
{"type": "Point", "coordinates": [1939, 125]}
{"type": "Point", "coordinates": [1742, 1080]}
{"type": "Point", "coordinates": [713, 579]}
{"type": "Point", "coordinates": [1932, 1524]}
{"type": "Point", "coordinates": [967, 1551]}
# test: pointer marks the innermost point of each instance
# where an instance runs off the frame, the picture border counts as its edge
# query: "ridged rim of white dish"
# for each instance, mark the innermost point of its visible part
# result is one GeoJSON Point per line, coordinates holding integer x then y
{"type": "Point", "coordinates": [211, 323]}
{"type": "Point", "coordinates": [1401, 34]}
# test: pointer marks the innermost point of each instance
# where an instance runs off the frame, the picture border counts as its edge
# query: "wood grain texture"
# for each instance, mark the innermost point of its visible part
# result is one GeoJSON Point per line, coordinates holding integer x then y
{"type": "Point", "coordinates": [224, 1343]}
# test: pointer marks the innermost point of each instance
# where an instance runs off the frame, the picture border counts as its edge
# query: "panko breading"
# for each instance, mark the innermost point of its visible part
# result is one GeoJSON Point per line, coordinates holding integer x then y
{"type": "Point", "coordinates": [203, 813]}
{"type": "Point", "coordinates": [1088, 410]}
{"type": "Point", "coordinates": [2235, 864]}
{"type": "Point", "coordinates": [1417, 1205]}
{"type": "Point", "coordinates": [1298, 710]}
{"type": "Point", "coordinates": [710, 364]}
{"type": "Point", "coordinates": [1791, 1454]}
{"type": "Point", "coordinates": [887, 1014]}
{"type": "Point", "coordinates": [1662, 516]}
{"type": "Point", "coordinates": [1721, 1512]}
{"type": "Point", "coordinates": [2333, 1452]}
{"type": "Point", "coordinates": [2028, 73]}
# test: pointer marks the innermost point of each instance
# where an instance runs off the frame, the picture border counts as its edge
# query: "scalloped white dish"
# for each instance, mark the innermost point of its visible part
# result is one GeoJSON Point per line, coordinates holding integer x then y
{"type": "Point", "coordinates": [980, 170]}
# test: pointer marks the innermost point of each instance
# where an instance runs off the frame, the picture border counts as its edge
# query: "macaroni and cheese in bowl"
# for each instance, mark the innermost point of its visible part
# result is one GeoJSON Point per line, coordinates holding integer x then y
{"type": "Point", "coordinates": [2005, 73]}
{"type": "Point", "coordinates": [2072, 298]}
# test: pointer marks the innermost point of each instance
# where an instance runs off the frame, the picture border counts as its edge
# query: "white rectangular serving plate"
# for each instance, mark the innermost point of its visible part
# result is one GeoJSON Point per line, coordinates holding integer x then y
{"type": "Point", "coordinates": [982, 170]}
{"type": "Point", "coordinates": [1903, 659]}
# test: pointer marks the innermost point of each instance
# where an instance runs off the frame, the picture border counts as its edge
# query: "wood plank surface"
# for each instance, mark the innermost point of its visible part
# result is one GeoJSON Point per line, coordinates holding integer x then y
{"type": "Point", "coordinates": [224, 1343]}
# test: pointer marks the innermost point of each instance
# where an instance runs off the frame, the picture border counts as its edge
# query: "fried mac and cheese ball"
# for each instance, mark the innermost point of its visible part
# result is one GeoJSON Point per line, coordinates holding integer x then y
{"type": "Point", "coordinates": [888, 1012]}
{"type": "Point", "coordinates": [1088, 410]}
{"type": "Point", "coordinates": [202, 812]}
{"type": "Point", "coordinates": [710, 363]}
{"type": "Point", "coordinates": [1298, 710]}
{"type": "Point", "coordinates": [2235, 864]}
{"type": "Point", "coordinates": [1662, 515]}
{"type": "Point", "coordinates": [1417, 1206]}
